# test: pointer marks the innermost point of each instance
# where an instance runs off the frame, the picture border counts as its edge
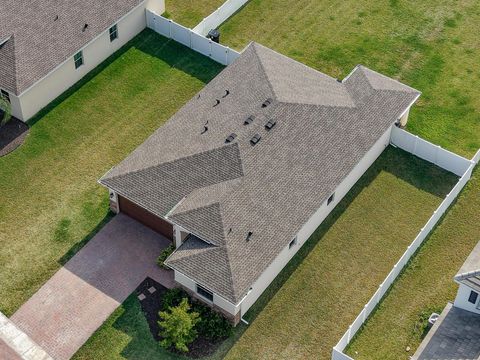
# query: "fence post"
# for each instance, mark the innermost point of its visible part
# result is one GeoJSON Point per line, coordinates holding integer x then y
{"type": "Point", "coordinates": [379, 297]}
{"type": "Point", "coordinates": [414, 152]}
{"type": "Point", "coordinates": [349, 337]}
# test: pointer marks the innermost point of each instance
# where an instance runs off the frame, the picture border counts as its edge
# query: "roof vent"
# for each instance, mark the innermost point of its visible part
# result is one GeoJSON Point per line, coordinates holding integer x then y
{"type": "Point", "coordinates": [85, 27]}
{"type": "Point", "coordinates": [230, 138]}
{"type": "Point", "coordinates": [205, 128]}
{"type": "Point", "coordinates": [56, 18]}
{"type": "Point", "coordinates": [249, 235]}
{"type": "Point", "coordinates": [270, 124]}
{"type": "Point", "coordinates": [267, 102]}
{"type": "Point", "coordinates": [255, 139]}
{"type": "Point", "coordinates": [249, 120]}
{"type": "Point", "coordinates": [217, 102]}
{"type": "Point", "coordinates": [227, 92]}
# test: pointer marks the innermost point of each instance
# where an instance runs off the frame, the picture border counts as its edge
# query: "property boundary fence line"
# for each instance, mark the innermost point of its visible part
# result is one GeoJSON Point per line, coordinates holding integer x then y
{"type": "Point", "coordinates": [443, 158]}
{"type": "Point", "coordinates": [219, 16]}
{"type": "Point", "coordinates": [170, 29]}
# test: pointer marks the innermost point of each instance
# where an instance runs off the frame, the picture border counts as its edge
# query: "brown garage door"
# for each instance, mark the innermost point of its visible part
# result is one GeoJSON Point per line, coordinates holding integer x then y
{"type": "Point", "coordinates": [146, 218]}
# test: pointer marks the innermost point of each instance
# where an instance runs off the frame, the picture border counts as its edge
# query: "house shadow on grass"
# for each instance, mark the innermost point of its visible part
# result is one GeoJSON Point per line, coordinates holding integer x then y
{"type": "Point", "coordinates": [174, 54]}
{"type": "Point", "coordinates": [406, 167]}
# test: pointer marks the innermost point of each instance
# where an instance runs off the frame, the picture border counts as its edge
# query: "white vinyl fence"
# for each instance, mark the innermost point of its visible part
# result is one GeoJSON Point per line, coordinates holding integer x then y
{"type": "Point", "coordinates": [219, 16]}
{"type": "Point", "coordinates": [170, 29]}
{"type": "Point", "coordinates": [442, 158]}
{"type": "Point", "coordinates": [428, 151]}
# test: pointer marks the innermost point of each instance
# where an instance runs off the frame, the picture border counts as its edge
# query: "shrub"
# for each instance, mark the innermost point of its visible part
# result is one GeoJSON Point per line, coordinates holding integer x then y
{"type": "Point", "coordinates": [5, 111]}
{"type": "Point", "coordinates": [212, 325]}
{"type": "Point", "coordinates": [178, 326]}
{"type": "Point", "coordinates": [173, 297]}
{"type": "Point", "coordinates": [164, 255]}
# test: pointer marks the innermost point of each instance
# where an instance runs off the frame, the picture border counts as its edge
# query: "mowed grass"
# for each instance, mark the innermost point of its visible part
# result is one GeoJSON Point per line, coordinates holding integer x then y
{"type": "Point", "coordinates": [190, 13]}
{"type": "Point", "coordinates": [51, 203]}
{"type": "Point", "coordinates": [424, 287]}
{"type": "Point", "coordinates": [328, 281]}
{"type": "Point", "coordinates": [430, 46]}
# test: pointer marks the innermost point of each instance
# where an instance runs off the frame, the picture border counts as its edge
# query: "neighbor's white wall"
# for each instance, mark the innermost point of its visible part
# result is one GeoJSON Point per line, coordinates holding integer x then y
{"type": "Point", "coordinates": [54, 84]}
{"type": "Point", "coordinates": [461, 301]}
{"type": "Point", "coordinates": [312, 224]}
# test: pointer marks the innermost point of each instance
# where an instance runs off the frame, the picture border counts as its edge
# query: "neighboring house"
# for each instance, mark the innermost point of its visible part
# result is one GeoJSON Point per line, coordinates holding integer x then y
{"type": "Point", "coordinates": [456, 333]}
{"type": "Point", "coordinates": [46, 46]}
{"type": "Point", "coordinates": [242, 175]}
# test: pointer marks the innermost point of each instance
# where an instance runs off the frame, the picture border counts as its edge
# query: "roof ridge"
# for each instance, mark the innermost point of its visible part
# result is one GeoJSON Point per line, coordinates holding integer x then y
{"type": "Point", "coordinates": [361, 67]}
{"type": "Point", "coordinates": [105, 177]}
{"type": "Point", "coordinates": [466, 275]}
{"type": "Point", "coordinates": [257, 56]}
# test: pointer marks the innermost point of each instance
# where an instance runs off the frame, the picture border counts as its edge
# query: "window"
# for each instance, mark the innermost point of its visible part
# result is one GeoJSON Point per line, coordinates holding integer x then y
{"type": "Point", "coordinates": [330, 199]}
{"type": "Point", "coordinates": [473, 297]}
{"type": "Point", "coordinates": [78, 59]}
{"type": "Point", "coordinates": [113, 32]}
{"type": "Point", "coordinates": [205, 293]}
{"type": "Point", "coordinates": [292, 243]}
{"type": "Point", "coordinates": [4, 94]}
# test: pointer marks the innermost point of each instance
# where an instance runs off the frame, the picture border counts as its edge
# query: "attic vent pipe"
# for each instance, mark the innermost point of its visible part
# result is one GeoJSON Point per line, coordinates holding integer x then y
{"type": "Point", "coordinates": [267, 102]}
{"type": "Point", "coordinates": [249, 235]}
{"type": "Point", "coordinates": [255, 139]}
{"type": "Point", "coordinates": [230, 138]}
{"type": "Point", "coordinates": [217, 102]}
{"type": "Point", "coordinates": [56, 18]}
{"type": "Point", "coordinates": [227, 92]}
{"type": "Point", "coordinates": [85, 27]}
{"type": "Point", "coordinates": [249, 120]}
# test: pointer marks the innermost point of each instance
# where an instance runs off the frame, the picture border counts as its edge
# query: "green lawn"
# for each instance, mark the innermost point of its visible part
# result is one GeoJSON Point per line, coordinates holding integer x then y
{"type": "Point", "coordinates": [334, 273]}
{"type": "Point", "coordinates": [425, 286]}
{"type": "Point", "coordinates": [51, 203]}
{"type": "Point", "coordinates": [429, 45]}
{"type": "Point", "coordinates": [189, 13]}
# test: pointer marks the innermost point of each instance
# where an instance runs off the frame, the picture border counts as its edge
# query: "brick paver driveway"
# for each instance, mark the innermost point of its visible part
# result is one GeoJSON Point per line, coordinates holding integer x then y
{"type": "Point", "coordinates": [66, 311]}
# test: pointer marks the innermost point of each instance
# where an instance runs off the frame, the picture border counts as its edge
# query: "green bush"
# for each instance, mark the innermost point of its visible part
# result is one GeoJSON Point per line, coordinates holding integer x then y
{"type": "Point", "coordinates": [178, 326]}
{"type": "Point", "coordinates": [164, 255]}
{"type": "Point", "coordinates": [5, 111]}
{"type": "Point", "coordinates": [173, 297]}
{"type": "Point", "coordinates": [212, 325]}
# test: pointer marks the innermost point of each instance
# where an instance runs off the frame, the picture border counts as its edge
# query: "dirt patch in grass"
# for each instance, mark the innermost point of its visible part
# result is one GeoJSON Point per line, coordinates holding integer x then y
{"type": "Point", "coordinates": [153, 304]}
{"type": "Point", "coordinates": [12, 135]}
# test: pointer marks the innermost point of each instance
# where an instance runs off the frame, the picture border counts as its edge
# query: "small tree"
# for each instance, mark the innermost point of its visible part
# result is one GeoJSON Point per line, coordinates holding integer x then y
{"type": "Point", "coordinates": [178, 326]}
{"type": "Point", "coordinates": [5, 111]}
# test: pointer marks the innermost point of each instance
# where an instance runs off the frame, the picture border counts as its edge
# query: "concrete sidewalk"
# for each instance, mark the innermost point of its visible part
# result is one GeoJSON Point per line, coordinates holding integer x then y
{"type": "Point", "coordinates": [68, 309]}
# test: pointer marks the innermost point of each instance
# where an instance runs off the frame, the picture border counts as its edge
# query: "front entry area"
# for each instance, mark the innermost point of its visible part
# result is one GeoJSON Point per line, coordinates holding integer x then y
{"type": "Point", "coordinates": [145, 217]}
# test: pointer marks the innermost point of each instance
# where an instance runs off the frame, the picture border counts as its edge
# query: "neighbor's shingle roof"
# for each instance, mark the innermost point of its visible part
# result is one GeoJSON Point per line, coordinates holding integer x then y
{"type": "Point", "coordinates": [38, 43]}
{"type": "Point", "coordinates": [323, 128]}
{"type": "Point", "coordinates": [469, 273]}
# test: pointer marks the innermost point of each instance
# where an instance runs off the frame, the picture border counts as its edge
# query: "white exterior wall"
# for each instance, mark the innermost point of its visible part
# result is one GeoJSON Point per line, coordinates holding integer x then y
{"type": "Point", "coordinates": [217, 300]}
{"type": "Point", "coordinates": [461, 301]}
{"type": "Point", "coordinates": [16, 107]}
{"type": "Point", "coordinates": [64, 76]}
{"type": "Point", "coordinates": [314, 222]}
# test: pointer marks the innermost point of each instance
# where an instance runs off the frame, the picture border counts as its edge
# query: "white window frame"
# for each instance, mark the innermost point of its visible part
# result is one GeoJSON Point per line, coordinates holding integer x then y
{"type": "Point", "coordinates": [113, 31]}
{"type": "Point", "coordinates": [197, 286]}
{"type": "Point", "coordinates": [75, 59]}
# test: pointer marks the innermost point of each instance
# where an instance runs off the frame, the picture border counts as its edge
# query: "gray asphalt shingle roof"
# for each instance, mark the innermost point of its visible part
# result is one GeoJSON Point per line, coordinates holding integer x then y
{"type": "Point", "coordinates": [39, 41]}
{"type": "Point", "coordinates": [469, 273]}
{"type": "Point", "coordinates": [323, 128]}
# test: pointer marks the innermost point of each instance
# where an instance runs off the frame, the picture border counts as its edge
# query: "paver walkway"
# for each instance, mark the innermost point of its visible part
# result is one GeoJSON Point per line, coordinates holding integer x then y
{"type": "Point", "coordinates": [66, 311]}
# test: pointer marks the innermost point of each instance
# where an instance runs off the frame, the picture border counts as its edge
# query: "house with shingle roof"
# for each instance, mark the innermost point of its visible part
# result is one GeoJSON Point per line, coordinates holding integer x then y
{"type": "Point", "coordinates": [242, 175]}
{"type": "Point", "coordinates": [46, 46]}
{"type": "Point", "coordinates": [456, 333]}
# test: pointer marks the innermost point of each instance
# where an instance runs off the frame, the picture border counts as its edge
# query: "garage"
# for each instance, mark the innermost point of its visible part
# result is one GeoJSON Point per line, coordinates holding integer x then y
{"type": "Point", "coordinates": [146, 218]}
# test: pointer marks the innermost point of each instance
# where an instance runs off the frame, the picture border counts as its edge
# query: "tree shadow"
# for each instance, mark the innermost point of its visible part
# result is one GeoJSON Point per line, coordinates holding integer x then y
{"type": "Point", "coordinates": [148, 41]}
